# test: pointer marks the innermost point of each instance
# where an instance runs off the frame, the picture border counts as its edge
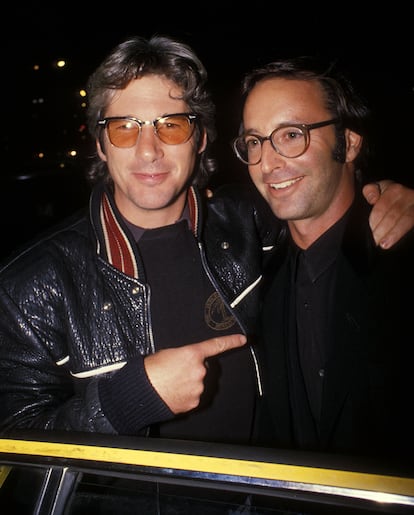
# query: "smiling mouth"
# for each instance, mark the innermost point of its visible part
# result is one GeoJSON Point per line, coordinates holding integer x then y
{"type": "Point", "coordinates": [285, 184]}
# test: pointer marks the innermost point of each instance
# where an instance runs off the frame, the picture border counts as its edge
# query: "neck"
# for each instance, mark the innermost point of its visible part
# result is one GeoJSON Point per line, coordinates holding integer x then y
{"type": "Point", "coordinates": [306, 231]}
{"type": "Point", "coordinates": [153, 218]}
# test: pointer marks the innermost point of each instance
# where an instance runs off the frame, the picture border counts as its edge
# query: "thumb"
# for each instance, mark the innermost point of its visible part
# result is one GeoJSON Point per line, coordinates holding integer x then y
{"type": "Point", "coordinates": [372, 192]}
{"type": "Point", "coordinates": [221, 344]}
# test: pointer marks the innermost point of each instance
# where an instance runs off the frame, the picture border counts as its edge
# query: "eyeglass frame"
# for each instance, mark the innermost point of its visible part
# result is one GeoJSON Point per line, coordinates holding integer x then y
{"type": "Point", "coordinates": [190, 116]}
{"type": "Point", "coordinates": [305, 127]}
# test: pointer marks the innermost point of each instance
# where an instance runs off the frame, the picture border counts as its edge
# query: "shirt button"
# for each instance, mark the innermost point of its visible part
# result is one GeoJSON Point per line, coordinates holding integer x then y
{"type": "Point", "coordinates": [321, 372]}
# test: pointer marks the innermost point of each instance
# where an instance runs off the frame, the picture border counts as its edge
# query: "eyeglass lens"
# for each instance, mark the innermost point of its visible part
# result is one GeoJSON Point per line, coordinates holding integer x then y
{"type": "Point", "coordinates": [172, 130]}
{"type": "Point", "coordinates": [287, 141]}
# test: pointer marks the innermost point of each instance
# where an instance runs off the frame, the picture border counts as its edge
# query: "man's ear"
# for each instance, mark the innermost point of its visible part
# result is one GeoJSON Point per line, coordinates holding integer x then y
{"type": "Point", "coordinates": [203, 142]}
{"type": "Point", "coordinates": [99, 150]}
{"type": "Point", "coordinates": [353, 145]}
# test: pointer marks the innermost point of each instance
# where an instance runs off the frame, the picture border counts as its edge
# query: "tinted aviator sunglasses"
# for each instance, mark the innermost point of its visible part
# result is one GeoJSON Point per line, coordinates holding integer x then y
{"type": "Point", "coordinates": [172, 129]}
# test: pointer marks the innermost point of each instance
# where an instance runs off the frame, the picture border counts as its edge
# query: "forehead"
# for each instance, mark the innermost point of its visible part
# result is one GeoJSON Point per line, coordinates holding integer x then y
{"type": "Point", "coordinates": [147, 97]}
{"type": "Point", "coordinates": [286, 100]}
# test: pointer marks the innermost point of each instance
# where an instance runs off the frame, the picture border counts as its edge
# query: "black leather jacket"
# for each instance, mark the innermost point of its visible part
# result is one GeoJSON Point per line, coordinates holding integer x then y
{"type": "Point", "coordinates": [74, 311]}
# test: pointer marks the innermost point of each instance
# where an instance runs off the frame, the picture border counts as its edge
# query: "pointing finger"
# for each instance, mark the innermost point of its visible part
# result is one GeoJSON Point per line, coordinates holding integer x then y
{"type": "Point", "coordinates": [221, 344]}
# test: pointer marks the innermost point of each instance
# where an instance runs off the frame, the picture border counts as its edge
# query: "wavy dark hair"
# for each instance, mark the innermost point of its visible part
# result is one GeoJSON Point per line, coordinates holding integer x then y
{"type": "Point", "coordinates": [342, 99]}
{"type": "Point", "coordinates": [161, 55]}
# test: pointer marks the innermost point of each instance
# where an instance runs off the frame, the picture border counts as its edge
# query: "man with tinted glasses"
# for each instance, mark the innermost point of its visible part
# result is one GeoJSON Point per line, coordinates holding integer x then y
{"type": "Point", "coordinates": [336, 324]}
{"type": "Point", "coordinates": [132, 318]}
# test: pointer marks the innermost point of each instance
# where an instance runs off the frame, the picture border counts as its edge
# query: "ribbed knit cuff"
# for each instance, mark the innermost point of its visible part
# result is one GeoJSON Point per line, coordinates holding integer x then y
{"type": "Point", "coordinates": [129, 401]}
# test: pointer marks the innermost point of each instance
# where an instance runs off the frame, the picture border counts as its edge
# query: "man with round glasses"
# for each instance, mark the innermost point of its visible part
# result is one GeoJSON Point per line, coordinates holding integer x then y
{"type": "Point", "coordinates": [336, 324]}
{"type": "Point", "coordinates": [131, 318]}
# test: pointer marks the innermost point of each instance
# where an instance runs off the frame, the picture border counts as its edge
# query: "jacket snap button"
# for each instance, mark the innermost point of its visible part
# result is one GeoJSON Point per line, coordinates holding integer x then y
{"type": "Point", "coordinates": [107, 306]}
{"type": "Point", "coordinates": [225, 245]}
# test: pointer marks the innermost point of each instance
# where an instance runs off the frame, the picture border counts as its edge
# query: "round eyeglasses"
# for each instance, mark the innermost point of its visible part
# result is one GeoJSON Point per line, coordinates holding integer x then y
{"type": "Point", "coordinates": [172, 129]}
{"type": "Point", "coordinates": [290, 140]}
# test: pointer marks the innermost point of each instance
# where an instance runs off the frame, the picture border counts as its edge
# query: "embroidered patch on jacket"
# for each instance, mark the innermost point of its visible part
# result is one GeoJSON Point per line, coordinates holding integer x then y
{"type": "Point", "coordinates": [216, 315]}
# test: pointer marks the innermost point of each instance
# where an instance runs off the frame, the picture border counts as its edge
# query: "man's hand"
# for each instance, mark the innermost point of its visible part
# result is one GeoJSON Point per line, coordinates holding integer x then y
{"type": "Point", "coordinates": [177, 374]}
{"type": "Point", "coordinates": [392, 215]}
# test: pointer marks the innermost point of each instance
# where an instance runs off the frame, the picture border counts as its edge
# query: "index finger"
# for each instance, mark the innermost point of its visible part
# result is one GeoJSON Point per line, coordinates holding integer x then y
{"type": "Point", "coordinates": [221, 344]}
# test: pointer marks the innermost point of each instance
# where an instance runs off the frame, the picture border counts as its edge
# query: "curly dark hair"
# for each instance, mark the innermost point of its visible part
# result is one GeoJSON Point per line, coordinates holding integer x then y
{"type": "Point", "coordinates": [161, 55]}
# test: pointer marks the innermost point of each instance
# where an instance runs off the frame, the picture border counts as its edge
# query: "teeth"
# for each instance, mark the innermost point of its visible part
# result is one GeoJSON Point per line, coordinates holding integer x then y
{"type": "Point", "coordinates": [282, 185]}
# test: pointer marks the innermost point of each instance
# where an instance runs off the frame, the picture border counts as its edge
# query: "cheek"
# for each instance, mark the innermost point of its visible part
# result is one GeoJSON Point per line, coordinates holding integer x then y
{"type": "Point", "coordinates": [184, 157]}
{"type": "Point", "coordinates": [118, 160]}
{"type": "Point", "coordinates": [320, 156]}
{"type": "Point", "coordinates": [256, 175]}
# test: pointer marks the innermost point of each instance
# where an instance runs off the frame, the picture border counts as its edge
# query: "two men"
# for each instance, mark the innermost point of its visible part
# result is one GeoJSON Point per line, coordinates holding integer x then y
{"type": "Point", "coordinates": [132, 317]}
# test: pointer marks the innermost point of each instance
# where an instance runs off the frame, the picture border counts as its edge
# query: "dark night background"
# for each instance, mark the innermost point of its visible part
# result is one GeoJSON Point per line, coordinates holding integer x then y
{"type": "Point", "coordinates": [42, 110]}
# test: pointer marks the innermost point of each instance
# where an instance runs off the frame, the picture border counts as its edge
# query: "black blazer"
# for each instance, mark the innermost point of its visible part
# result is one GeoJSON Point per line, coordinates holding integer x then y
{"type": "Point", "coordinates": [369, 378]}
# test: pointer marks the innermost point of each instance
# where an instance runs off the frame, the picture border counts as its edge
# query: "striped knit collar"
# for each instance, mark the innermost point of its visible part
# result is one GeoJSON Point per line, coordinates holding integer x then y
{"type": "Point", "coordinates": [119, 247]}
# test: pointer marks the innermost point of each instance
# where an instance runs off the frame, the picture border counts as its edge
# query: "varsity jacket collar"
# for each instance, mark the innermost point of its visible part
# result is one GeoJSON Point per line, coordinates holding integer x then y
{"type": "Point", "coordinates": [113, 238]}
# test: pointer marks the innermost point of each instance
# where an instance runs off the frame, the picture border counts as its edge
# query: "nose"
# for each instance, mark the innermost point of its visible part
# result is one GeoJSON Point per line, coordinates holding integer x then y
{"type": "Point", "coordinates": [148, 145]}
{"type": "Point", "coordinates": [270, 159]}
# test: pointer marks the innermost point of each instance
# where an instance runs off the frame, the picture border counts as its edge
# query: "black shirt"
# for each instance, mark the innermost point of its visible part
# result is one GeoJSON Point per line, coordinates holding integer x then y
{"type": "Point", "coordinates": [312, 286]}
{"type": "Point", "coordinates": [185, 308]}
